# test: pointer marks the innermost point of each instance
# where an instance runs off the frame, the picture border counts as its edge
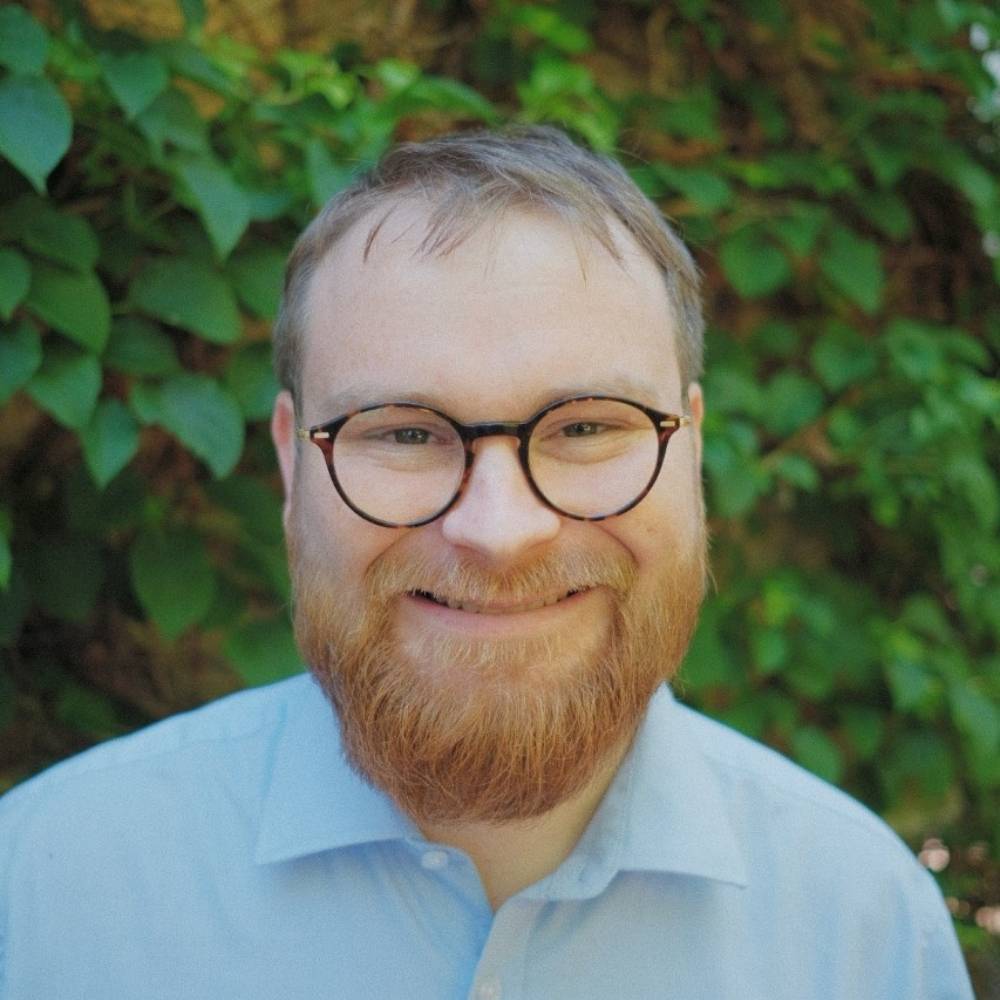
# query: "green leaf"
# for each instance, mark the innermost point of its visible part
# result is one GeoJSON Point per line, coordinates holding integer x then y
{"type": "Point", "coordinates": [800, 229]}
{"type": "Point", "coordinates": [15, 601]}
{"type": "Point", "coordinates": [791, 402]}
{"type": "Point", "coordinates": [709, 191]}
{"type": "Point", "coordinates": [550, 26]}
{"type": "Point", "coordinates": [20, 357]}
{"type": "Point", "coordinates": [65, 574]}
{"type": "Point", "coordinates": [976, 716]}
{"type": "Point", "coordinates": [15, 280]}
{"type": "Point", "coordinates": [816, 751]}
{"type": "Point", "coordinates": [888, 211]}
{"type": "Point", "coordinates": [753, 264]}
{"type": "Point", "coordinates": [66, 239]}
{"type": "Point", "coordinates": [172, 118]}
{"type": "Point", "coordinates": [326, 178]}
{"type": "Point", "coordinates": [74, 304]}
{"type": "Point", "coordinates": [194, 12]}
{"type": "Point", "coordinates": [190, 294]}
{"type": "Point", "coordinates": [255, 504]}
{"type": "Point", "coordinates": [842, 357]}
{"type": "Point", "coordinates": [854, 267]}
{"type": "Point", "coordinates": [135, 78]}
{"type": "Point", "coordinates": [864, 728]}
{"type": "Point", "coordinates": [263, 652]}
{"type": "Point", "coordinates": [109, 440]}
{"type": "Point", "coordinates": [67, 385]}
{"type": "Point", "coordinates": [139, 347]}
{"type": "Point", "coordinates": [87, 711]}
{"type": "Point", "coordinates": [35, 126]}
{"type": "Point", "coordinates": [24, 43]}
{"type": "Point", "coordinates": [251, 379]}
{"type": "Point", "coordinates": [172, 578]}
{"type": "Point", "coordinates": [978, 484]}
{"type": "Point", "coordinates": [200, 413]}
{"type": "Point", "coordinates": [799, 471]}
{"type": "Point", "coordinates": [222, 205]}
{"type": "Point", "coordinates": [258, 275]}
{"type": "Point", "coordinates": [911, 684]}
{"type": "Point", "coordinates": [6, 561]}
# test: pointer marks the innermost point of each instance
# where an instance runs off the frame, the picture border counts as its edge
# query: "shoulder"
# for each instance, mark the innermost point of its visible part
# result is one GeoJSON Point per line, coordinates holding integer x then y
{"type": "Point", "coordinates": [763, 784]}
{"type": "Point", "coordinates": [125, 770]}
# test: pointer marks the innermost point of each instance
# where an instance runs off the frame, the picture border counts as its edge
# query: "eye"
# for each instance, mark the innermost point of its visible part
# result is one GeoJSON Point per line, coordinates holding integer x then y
{"type": "Point", "coordinates": [410, 435]}
{"type": "Point", "coordinates": [583, 428]}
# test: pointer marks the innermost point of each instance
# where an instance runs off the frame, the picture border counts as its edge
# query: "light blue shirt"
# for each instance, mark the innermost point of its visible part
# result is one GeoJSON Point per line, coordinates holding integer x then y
{"type": "Point", "coordinates": [231, 854]}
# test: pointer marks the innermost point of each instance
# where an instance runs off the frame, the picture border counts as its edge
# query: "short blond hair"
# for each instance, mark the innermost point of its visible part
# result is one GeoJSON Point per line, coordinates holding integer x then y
{"type": "Point", "coordinates": [473, 177]}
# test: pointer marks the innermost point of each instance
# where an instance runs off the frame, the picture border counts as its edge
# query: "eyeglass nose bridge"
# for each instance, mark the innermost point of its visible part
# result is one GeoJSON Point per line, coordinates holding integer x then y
{"type": "Point", "coordinates": [471, 433]}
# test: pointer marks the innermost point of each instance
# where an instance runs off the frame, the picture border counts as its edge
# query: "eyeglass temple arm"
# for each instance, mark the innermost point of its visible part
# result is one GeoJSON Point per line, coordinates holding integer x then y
{"type": "Point", "coordinates": [675, 422]}
{"type": "Point", "coordinates": [304, 435]}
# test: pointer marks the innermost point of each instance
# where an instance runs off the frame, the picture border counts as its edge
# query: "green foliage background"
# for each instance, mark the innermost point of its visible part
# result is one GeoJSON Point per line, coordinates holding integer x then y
{"type": "Point", "coordinates": [836, 172]}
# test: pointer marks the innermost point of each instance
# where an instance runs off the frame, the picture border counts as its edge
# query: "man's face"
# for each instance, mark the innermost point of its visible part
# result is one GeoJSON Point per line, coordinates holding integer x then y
{"type": "Point", "coordinates": [507, 704]}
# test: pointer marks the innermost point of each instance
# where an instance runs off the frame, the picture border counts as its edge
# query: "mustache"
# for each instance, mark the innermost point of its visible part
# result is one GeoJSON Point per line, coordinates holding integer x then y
{"type": "Point", "coordinates": [458, 579]}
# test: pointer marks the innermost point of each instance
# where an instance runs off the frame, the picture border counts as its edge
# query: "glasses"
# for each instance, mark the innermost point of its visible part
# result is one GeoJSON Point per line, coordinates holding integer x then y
{"type": "Point", "coordinates": [403, 464]}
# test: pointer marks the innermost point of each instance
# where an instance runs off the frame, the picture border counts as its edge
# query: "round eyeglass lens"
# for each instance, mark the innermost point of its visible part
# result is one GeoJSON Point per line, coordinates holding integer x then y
{"type": "Point", "coordinates": [592, 457]}
{"type": "Point", "coordinates": [398, 464]}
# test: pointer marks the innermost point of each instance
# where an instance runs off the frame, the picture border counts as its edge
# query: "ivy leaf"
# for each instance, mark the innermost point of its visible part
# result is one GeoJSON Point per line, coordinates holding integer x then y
{"type": "Point", "coordinates": [109, 440]}
{"type": "Point", "coordinates": [220, 202]}
{"type": "Point", "coordinates": [6, 562]}
{"type": "Point", "coordinates": [135, 78]}
{"type": "Point", "coordinates": [24, 43]}
{"type": "Point", "coordinates": [15, 280]}
{"type": "Point", "coordinates": [72, 303]}
{"type": "Point", "coordinates": [172, 578]}
{"type": "Point", "coordinates": [816, 751]}
{"type": "Point", "coordinates": [67, 385]}
{"type": "Point", "coordinates": [854, 267]}
{"type": "Point", "coordinates": [326, 178]}
{"type": "Point", "coordinates": [172, 118]}
{"type": "Point", "coordinates": [753, 264]}
{"type": "Point", "coordinates": [976, 716]}
{"type": "Point", "coordinates": [263, 652]}
{"type": "Point", "coordinates": [200, 413]}
{"type": "Point", "coordinates": [190, 294]}
{"type": "Point", "coordinates": [792, 401]}
{"type": "Point", "coordinates": [35, 126]}
{"type": "Point", "coordinates": [258, 274]}
{"type": "Point", "coordinates": [251, 379]}
{"type": "Point", "coordinates": [61, 237]}
{"type": "Point", "coordinates": [842, 357]}
{"type": "Point", "coordinates": [138, 347]}
{"type": "Point", "coordinates": [20, 357]}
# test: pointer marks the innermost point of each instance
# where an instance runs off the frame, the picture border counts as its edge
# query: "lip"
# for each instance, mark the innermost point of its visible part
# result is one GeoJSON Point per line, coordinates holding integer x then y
{"type": "Point", "coordinates": [497, 617]}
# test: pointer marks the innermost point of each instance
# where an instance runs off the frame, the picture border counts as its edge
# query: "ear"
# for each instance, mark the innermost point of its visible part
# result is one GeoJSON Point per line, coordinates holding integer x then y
{"type": "Point", "coordinates": [696, 402]}
{"type": "Point", "coordinates": [283, 435]}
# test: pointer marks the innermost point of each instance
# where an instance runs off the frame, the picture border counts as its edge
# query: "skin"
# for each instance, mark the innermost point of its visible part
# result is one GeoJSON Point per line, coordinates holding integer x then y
{"type": "Point", "coordinates": [520, 314]}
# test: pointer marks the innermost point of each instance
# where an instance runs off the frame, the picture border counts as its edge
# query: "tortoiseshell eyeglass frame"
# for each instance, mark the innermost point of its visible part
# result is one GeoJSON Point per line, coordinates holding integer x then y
{"type": "Point", "coordinates": [324, 436]}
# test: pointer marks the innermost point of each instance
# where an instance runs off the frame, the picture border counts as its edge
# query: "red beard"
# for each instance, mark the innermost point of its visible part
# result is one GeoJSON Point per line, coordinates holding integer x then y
{"type": "Point", "coordinates": [475, 729]}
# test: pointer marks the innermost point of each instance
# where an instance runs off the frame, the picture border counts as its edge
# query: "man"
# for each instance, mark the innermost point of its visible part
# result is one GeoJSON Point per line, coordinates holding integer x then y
{"type": "Point", "coordinates": [489, 437]}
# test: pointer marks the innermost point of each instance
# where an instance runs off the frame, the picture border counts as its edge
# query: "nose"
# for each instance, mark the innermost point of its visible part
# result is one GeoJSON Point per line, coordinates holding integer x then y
{"type": "Point", "coordinates": [498, 515]}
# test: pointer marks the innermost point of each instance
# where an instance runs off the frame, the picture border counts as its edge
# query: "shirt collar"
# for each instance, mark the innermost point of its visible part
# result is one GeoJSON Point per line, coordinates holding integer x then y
{"type": "Point", "coordinates": [664, 811]}
{"type": "Point", "coordinates": [313, 799]}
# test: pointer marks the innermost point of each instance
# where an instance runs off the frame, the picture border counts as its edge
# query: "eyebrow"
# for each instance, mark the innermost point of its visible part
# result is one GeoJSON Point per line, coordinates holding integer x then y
{"type": "Point", "coordinates": [361, 395]}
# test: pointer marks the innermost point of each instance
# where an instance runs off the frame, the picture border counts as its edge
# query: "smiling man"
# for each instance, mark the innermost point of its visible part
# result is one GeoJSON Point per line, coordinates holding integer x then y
{"type": "Point", "coordinates": [489, 437]}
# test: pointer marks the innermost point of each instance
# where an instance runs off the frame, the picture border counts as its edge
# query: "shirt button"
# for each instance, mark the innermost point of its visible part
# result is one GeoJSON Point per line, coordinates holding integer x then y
{"type": "Point", "coordinates": [434, 861]}
{"type": "Point", "coordinates": [488, 989]}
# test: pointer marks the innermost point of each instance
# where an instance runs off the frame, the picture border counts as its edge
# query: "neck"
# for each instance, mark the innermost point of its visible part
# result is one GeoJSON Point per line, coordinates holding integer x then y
{"type": "Point", "coordinates": [512, 855]}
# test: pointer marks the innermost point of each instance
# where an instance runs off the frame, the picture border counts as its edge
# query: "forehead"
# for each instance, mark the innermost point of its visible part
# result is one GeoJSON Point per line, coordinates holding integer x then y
{"type": "Point", "coordinates": [522, 311]}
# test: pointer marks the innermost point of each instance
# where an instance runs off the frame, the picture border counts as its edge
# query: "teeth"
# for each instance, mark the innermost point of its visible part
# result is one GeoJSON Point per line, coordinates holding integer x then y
{"type": "Point", "coordinates": [456, 605]}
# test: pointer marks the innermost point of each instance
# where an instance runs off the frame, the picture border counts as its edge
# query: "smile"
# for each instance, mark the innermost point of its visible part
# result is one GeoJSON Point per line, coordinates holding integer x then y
{"type": "Point", "coordinates": [495, 608]}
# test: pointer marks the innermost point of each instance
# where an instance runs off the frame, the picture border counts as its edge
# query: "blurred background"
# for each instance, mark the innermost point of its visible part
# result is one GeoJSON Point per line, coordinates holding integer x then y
{"type": "Point", "coordinates": [836, 170]}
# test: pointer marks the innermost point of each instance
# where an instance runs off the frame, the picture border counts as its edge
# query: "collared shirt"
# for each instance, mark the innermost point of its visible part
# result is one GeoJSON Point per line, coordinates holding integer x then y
{"type": "Point", "coordinates": [231, 854]}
